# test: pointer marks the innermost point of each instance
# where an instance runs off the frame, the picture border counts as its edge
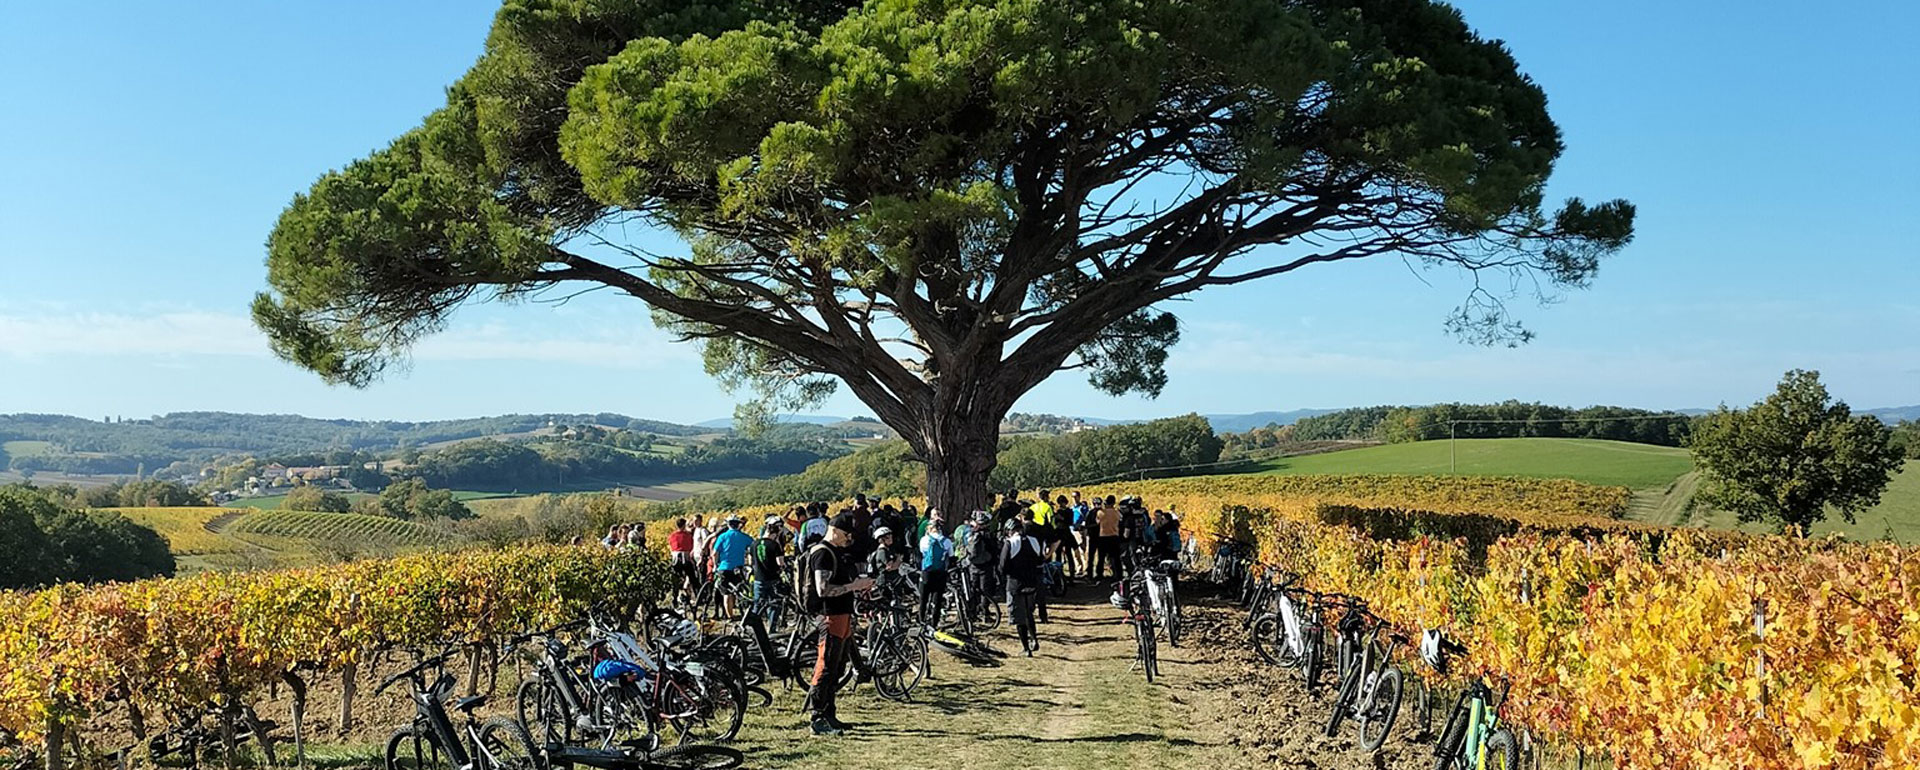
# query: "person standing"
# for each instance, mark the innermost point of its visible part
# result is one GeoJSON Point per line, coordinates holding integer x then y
{"type": "Point", "coordinates": [936, 552]}
{"type": "Point", "coordinates": [680, 553]}
{"type": "Point", "coordinates": [702, 547]}
{"type": "Point", "coordinates": [730, 561]}
{"type": "Point", "coordinates": [815, 528]}
{"type": "Point", "coordinates": [983, 561]}
{"type": "Point", "coordinates": [1020, 561]}
{"type": "Point", "coordinates": [1107, 516]}
{"type": "Point", "coordinates": [769, 553]}
{"type": "Point", "coordinates": [832, 580]}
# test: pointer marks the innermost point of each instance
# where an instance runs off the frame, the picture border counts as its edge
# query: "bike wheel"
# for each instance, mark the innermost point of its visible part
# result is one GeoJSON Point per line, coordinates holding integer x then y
{"type": "Point", "coordinates": [1173, 618]}
{"type": "Point", "coordinates": [1311, 663]}
{"type": "Point", "coordinates": [892, 669]}
{"type": "Point", "coordinates": [1348, 692]}
{"type": "Point", "coordinates": [505, 745]}
{"type": "Point", "coordinates": [412, 748]}
{"type": "Point", "coordinates": [1453, 739]}
{"type": "Point", "coordinates": [1502, 751]}
{"type": "Point", "coordinates": [1377, 714]}
{"type": "Point", "coordinates": [539, 707]}
{"type": "Point", "coordinates": [695, 756]}
{"type": "Point", "coordinates": [721, 705]}
{"type": "Point", "coordinates": [1268, 641]}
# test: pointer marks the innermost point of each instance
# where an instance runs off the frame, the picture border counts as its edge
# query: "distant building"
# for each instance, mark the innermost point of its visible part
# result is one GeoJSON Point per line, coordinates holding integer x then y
{"type": "Point", "coordinates": [274, 472]}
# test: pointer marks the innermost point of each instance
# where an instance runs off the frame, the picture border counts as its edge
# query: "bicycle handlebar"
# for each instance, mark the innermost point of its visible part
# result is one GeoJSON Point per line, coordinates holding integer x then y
{"type": "Point", "coordinates": [425, 663]}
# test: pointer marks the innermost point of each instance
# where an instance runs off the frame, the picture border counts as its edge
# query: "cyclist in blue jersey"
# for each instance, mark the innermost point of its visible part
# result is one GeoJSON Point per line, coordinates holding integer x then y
{"type": "Point", "coordinates": [730, 556]}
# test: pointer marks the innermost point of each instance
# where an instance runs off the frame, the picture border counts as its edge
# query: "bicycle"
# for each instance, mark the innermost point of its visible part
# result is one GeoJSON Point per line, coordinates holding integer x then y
{"type": "Point", "coordinates": [432, 740]}
{"type": "Point", "coordinates": [726, 596]}
{"type": "Point", "coordinates": [1139, 615]}
{"type": "Point", "coordinates": [1474, 738]}
{"type": "Point", "coordinates": [1370, 688]}
{"type": "Point", "coordinates": [1157, 575]}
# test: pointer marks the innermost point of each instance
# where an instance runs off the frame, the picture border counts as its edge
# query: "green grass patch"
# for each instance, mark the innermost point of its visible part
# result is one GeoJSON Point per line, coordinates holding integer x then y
{"type": "Point", "coordinates": [27, 448]}
{"type": "Point", "coordinates": [1616, 463]}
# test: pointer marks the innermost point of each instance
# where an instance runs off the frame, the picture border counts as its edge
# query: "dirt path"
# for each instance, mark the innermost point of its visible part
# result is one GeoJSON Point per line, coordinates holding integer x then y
{"type": "Point", "coordinates": [1075, 704]}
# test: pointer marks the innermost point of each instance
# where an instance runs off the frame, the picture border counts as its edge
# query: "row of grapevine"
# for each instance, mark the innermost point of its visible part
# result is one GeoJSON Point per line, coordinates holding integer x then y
{"type": "Point", "coordinates": [66, 651]}
{"type": "Point", "coordinates": [312, 525]}
{"type": "Point", "coordinates": [1674, 649]}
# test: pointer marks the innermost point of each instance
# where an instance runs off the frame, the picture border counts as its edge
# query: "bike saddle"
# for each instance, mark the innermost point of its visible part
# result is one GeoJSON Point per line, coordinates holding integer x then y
{"type": "Point", "coordinates": [469, 703]}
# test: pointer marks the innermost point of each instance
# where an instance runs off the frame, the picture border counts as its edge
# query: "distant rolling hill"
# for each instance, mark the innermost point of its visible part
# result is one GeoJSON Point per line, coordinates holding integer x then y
{"type": "Point", "coordinates": [1241, 423]}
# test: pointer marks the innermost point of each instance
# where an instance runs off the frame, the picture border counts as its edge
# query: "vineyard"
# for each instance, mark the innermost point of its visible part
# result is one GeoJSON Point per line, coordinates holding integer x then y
{"type": "Point", "coordinates": [1654, 647]}
{"type": "Point", "coordinates": [67, 653]}
{"type": "Point", "coordinates": [308, 525]}
{"type": "Point", "coordinates": [189, 531]}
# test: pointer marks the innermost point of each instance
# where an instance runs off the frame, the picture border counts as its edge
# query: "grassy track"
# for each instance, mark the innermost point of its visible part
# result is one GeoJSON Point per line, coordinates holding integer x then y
{"type": "Point", "coordinates": [1075, 705]}
{"type": "Point", "coordinates": [1637, 466]}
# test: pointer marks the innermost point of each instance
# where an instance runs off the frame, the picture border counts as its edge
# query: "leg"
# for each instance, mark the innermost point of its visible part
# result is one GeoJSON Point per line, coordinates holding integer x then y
{"type": "Point", "coordinates": [829, 666]}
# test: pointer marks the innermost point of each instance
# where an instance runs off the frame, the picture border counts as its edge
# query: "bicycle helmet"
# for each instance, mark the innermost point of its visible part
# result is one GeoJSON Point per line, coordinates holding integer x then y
{"type": "Point", "coordinates": [1430, 648]}
{"type": "Point", "coordinates": [882, 532]}
{"type": "Point", "coordinates": [682, 634]}
{"type": "Point", "coordinates": [1118, 600]}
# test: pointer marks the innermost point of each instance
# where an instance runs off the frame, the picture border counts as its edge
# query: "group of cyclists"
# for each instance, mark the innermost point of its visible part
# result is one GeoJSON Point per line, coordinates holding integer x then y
{"type": "Point", "coordinates": [1013, 552]}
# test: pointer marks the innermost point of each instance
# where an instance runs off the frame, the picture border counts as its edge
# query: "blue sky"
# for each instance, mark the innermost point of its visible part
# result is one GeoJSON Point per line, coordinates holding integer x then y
{"type": "Point", "coordinates": [1771, 148]}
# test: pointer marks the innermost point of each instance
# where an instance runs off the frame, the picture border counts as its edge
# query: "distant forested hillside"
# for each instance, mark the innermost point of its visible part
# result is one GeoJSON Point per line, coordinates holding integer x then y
{"type": "Point", "coordinates": [1510, 419]}
{"type": "Point", "coordinates": [76, 445]}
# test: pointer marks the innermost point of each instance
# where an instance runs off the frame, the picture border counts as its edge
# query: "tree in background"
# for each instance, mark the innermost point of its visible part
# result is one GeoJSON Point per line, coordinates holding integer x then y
{"type": "Point", "coordinates": [43, 541]}
{"type": "Point", "coordinates": [938, 204]}
{"type": "Point", "coordinates": [311, 498]}
{"type": "Point", "coordinates": [412, 499]}
{"type": "Point", "coordinates": [24, 551]}
{"type": "Point", "coordinates": [1906, 436]}
{"type": "Point", "coordinates": [1788, 459]}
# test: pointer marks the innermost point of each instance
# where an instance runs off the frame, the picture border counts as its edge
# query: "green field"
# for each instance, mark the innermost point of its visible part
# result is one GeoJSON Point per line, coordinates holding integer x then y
{"type": "Point", "coordinates": [1897, 515]}
{"type": "Point", "coordinates": [26, 448]}
{"type": "Point", "coordinates": [1662, 478]}
{"type": "Point", "coordinates": [1637, 466]}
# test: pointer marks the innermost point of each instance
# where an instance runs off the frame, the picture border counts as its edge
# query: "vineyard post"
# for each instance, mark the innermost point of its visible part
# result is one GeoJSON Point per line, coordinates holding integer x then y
{"type": "Point", "coordinates": [56, 741]}
{"type": "Point", "coordinates": [1760, 649]}
{"type": "Point", "coordinates": [299, 688]}
{"type": "Point", "coordinates": [347, 687]}
{"type": "Point", "coordinates": [1453, 452]}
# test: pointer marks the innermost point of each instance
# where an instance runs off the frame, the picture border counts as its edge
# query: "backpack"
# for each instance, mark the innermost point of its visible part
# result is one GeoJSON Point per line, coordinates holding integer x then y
{"type": "Point", "coordinates": [983, 549]}
{"type": "Point", "coordinates": [810, 595]}
{"type": "Point", "coordinates": [1025, 565]}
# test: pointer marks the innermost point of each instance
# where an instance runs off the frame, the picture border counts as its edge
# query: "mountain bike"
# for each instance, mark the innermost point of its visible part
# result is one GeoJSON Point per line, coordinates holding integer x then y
{"type": "Point", "coordinates": [1473, 738]}
{"type": "Point", "coordinates": [1370, 688]}
{"type": "Point", "coordinates": [432, 740]}
{"type": "Point", "coordinates": [1133, 601]}
{"type": "Point", "coordinates": [1157, 575]}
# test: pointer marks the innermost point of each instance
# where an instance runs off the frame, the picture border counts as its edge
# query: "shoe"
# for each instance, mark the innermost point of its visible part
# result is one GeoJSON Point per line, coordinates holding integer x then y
{"type": "Point", "coordinates": [825, 727]}
{"type": "Point", "coordinates": [839, 725]}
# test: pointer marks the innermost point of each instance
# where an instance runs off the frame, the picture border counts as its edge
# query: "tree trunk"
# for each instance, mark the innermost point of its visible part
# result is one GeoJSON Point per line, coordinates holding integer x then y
{"type": "Point", "coordinates": [960, 451]}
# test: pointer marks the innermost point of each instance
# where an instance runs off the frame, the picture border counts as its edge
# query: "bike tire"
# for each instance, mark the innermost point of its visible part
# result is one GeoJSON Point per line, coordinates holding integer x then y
{"type": "Point", "coordinates": [1502, 751]}
{"type": "Point", "coordinates": [1348, 692]}
{"type": "Point", "coordinates": [1270, 643]}
{"type": "Point", "coordinates": [1421, 721]}
{"type": "Point", "coordinates": [538, 706]}
{"type": "Point", "coordinates": [694, 756]}
{"type": "Point", "coordinates": [725, 709]}
{"type": "Point", "coordinates": [1376, 716]}
{"type": "Point", "coordinates": [507, 746]}
{"type": "Point", "coordinates": [411, 748]}
{"type": "Point", "coordinates": [1452, 740]}
{"type": "Point", "coordinates": [1311, 662]}
{"type": "Point", "coordinates": [1174, 621]}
